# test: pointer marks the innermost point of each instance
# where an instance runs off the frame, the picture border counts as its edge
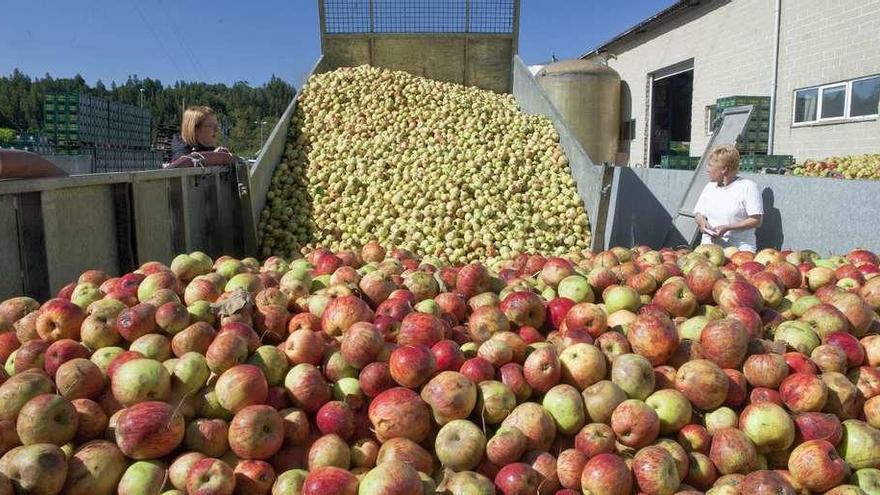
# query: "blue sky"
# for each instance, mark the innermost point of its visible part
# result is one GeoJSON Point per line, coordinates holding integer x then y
{"type": "Point", "coordinates": [234, 40]}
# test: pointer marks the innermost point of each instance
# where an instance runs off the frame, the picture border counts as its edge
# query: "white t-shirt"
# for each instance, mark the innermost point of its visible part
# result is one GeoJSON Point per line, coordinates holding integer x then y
{"type": "Point", "coordinates": [726, 205]}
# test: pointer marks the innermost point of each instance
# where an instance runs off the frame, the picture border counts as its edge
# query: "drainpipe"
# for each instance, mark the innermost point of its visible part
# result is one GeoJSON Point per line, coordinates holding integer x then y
{"type": "Point", "coordinates": [773, 81]}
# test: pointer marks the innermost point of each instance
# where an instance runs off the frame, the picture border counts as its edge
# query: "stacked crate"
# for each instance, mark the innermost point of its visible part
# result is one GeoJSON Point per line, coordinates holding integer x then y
{"type": "Point", "coordinates": [75, 120]}
{"type": "Point", "coordinates": [116, 134]}
{"type": "Point", "coordinates": [129, 126]}
{"type": "Point", "coordinates": [162, 142]}
{"type": "Point", "coordinates": [756, 135]}
{"type": "Point", "coordinates": [753, 143]}
{"type": "Point", "coordinates": [35, 143]}
{"type": "Point", "coordinates": [125, 160]}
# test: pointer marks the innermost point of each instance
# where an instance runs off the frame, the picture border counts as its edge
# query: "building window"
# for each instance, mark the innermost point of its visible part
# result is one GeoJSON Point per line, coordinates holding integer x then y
{"type": "Point", "coordinates": [805, 105]}
{"type": "Point", "coordinates": [713, 122]}
{"type": "Point", "coordinates": [628, 130]}
{"type": "Point", "coordinates": [865, 97]}
{"type": "Point", "coordinates": [833, 102]}
{"type": "Point", "coordinates": [856, 99]}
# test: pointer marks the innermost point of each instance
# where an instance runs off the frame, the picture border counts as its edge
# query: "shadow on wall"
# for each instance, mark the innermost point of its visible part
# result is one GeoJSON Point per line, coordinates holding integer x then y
{"type": "Point", "coordinates": [640, 217]}
{"type": "Point", "coordinates": [769, 234]}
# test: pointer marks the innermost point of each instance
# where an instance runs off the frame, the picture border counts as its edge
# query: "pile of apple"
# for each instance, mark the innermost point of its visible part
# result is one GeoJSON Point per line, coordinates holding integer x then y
{"type": "Point", "coordinates": [842, 167]}
{"type": "Point", "coordinates": [437, 168]}
{"type": "Point", "coordinates": [373, 372]}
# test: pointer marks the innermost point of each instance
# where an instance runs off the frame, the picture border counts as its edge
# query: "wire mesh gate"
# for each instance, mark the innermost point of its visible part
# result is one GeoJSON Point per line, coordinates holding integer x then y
{"type": "Point", "coordinates": [466, 41]}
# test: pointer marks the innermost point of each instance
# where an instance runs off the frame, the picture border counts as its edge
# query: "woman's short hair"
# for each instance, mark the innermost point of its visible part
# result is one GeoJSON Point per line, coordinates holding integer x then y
{"type": "Point", "coordinates": [726, 154]}
{"type": "Point", "coordinates": [192, 119]}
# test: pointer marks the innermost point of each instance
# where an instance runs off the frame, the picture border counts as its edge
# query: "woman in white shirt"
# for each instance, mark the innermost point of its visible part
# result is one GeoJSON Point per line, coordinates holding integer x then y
{"type": "Point", "coordinates": [730, 207]}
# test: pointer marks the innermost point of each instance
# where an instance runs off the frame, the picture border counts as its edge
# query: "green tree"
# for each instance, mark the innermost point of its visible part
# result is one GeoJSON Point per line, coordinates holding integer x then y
{"type": "Point", "coordinates": [240, 105]}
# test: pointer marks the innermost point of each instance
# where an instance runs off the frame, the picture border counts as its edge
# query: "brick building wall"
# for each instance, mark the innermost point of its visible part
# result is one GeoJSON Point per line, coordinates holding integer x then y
{"type": "Point", "coordinates": [821, 42]}
{"type": "Point", "coordinates": [731, 46]}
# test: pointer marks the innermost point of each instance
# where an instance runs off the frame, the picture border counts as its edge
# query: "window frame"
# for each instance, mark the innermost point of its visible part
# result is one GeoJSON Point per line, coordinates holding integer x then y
{"type": "Point", "coordinates": [872, 116]}
{"type": "Point", "coordinates": [820, 89]}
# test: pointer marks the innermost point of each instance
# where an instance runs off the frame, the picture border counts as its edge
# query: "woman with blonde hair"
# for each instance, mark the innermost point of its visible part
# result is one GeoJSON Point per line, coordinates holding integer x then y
{"type": "Point", "coordinates": [730, 208]}
{"type": "Point", "coordinates": [196, 145]}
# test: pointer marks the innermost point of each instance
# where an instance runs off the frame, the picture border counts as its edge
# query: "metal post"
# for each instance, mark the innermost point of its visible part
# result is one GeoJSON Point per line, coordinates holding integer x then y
{"type": "Point", "coordinates": [467, 29]}
{"type": "Point", "coordinates": [515, 34]}
{"type": "Point", "coordinates": [323, 23]}
{"type": "Point", "coordinates": [372, 32]}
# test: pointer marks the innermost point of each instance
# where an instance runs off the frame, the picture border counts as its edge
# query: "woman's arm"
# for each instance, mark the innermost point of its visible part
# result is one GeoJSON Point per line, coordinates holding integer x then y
{"type": "Point", "coordinates": [752, 222]}
{"type": "Point", "coordinates": [702, 223]}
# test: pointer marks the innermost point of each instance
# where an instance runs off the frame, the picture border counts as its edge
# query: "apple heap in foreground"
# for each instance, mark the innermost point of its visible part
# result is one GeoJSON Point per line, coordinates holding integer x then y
{"type": "Point", "coordinates": [842, 167]}
{"type": "Point", "coordinates": [372, 372]}
{"type": "Point", "coordinates": [437, 168]}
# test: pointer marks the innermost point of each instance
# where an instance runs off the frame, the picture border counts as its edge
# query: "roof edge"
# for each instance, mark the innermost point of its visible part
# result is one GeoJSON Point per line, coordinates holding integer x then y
{"type": "Point", "coordinates": [673, 9]}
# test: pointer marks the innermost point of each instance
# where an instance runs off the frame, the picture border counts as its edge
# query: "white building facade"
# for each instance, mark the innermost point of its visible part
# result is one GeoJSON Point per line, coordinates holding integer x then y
{"type": "Point", "coordinates": [818, 59]}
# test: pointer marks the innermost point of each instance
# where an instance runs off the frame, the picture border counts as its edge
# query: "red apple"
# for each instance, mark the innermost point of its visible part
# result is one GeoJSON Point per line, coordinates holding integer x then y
{"type": "Point", "coordinates": [654, 337]}
{"type": "Point", "coordinates": [676, 298]}
{"type": "Point", "coordinates": [542, 369]}
{"type": "Point", "coordinates": [400, 412]}
{"type": "Point", "coordinates": [606, 474]}
{"type": "Point", "coordinates": [517, 479]}
{"type": "Point", "coordinates": [655, 470]}
{"type": "Point", "coordinates": [149, 430]}
{"type": "Point", "coordinates": [816, 466]}
{"type": "Point", "coordinates": [471, 280]}
{"type": "Point", "coordinates": [210, 477]}
{"type": "Point", "coordinates": [256, 432]}
{"type": "Point", "coordinates": [342, 312]}
{"type": "Point", "coordinates": [803, 392]}
{"type": "Point", "coordinates": [557, 309]}
{"type": "Point", "coordinates": [725, 342]}
{"type": "Point", "coordinates": [798, 363]}
{"type": "Point", "coordinates": [375, 378]}
{"type": "Point", "coordinates": [703, 383]}
{"type": "Point", "coordinates": [588, 317]}
{"type": "Point", "coordinates": [448, 355]}
{"type": "Point", "coordinates": [733, 452]}
{"type": "Point", "coordinates": [59, 319]}
{"type": "Point", "coordinates": [694, 438]}
{"type": "Point", "coordinates": [524, 308]}
{"type": "Point", "coordinates": [412, 365]}
{"type": "Point", "coordinates": [765, 370]}
{"type": "Point", "coordinates": [635, 423]}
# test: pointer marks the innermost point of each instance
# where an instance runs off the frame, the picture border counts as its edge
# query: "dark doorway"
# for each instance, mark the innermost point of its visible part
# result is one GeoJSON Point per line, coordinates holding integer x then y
{"type": "Point", "coordinates": [671, 98]}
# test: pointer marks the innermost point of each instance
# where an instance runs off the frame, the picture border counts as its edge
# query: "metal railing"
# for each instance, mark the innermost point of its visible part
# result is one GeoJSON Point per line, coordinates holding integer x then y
{"type": "Point", "coordinates": [419, 16]}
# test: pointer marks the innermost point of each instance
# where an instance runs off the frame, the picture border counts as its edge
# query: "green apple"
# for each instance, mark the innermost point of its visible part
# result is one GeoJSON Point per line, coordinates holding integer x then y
{"type": "Point", "coordinates": [576, 288]}
{"type": "Point", "coordinates": [566, 406]}
{"type": "Point", "coordinates": [673, 409]}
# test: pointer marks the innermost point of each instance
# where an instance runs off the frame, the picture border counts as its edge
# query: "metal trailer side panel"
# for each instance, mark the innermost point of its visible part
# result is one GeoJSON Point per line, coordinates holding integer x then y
{"type": "Point", "coordinates": [153, 220]}
{"type": "Point", "coordinates": [54, 229]}
{"type": "Point", "coordinates": [590, 179]}
{"type": "Point", "coordinates": [12, 283]}
{"type": "Point", "coordinates": [796, 210]}
{"type": "Point", "coordinates": [73, 243]}
{"type": "Point", "coordinates": [273, 151]}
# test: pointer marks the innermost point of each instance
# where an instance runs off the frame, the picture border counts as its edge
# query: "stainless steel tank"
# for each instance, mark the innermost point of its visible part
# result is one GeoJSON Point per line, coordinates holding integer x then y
{"type": "Point", "coordinates": [587, 94]}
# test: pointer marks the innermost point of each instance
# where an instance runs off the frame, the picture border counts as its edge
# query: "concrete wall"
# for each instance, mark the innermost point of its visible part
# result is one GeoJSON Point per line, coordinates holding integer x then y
{"type": "Point", "coordinates": [73, 164]}
{"type": "Point", "coordinates": [822, 42]}
{"type": "Point", "coordinates": [796, 211]}
{"type": "Point", "coordinates": [482, 61]}
{"type": "Point", "coordinates": [730, 44]}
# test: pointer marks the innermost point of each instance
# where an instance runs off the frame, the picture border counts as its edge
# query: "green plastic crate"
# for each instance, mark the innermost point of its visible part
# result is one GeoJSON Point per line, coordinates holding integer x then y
{"type": "Point", "coordinates": [754, 162]}
{"type": "Point", "coordinates": [677, 162]}
{"type": "Point", "coordinates": [738, 101]}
